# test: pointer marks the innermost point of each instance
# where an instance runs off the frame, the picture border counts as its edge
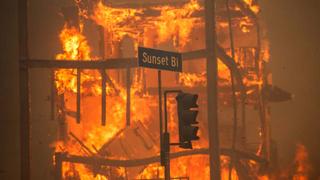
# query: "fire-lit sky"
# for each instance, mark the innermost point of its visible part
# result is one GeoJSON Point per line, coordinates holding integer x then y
{"type": "Point", "coordinates": [293, 28]}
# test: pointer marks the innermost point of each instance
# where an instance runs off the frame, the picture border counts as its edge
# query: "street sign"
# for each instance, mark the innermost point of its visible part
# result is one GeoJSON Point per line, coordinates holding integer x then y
{"type": "Point", "coordinates": [158, 59]}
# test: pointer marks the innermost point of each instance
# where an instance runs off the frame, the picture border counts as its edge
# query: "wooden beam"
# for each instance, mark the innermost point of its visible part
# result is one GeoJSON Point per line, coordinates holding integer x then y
{"type": "Point", "coordinates": [82, 64]}
{"type": "Point", "coordinates": [155, 159]}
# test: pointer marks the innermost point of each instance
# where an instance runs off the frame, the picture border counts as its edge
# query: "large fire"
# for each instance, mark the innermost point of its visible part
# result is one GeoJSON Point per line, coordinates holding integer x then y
{"type": "Point", "coordinates": [173, 25]}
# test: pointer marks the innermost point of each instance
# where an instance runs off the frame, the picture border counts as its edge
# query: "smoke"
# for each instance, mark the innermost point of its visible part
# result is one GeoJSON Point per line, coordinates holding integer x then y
{"type": "Point", "coordinates": [293, 30]}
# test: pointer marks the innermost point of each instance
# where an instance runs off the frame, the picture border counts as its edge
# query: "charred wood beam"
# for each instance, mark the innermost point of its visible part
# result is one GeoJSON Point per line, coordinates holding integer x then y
{"type": "Point", "coordinates": [146, 4]}
{"type": "Point", "coordinates": [246, 9]}
{"type": "Point", "coordinates": [81, 143]}
{"type": "Point", "coordinates": [78, 95]}
{"type": "Point", "coordinates": [52, 96]}
{"type": "Point", "coordinates": [196, 89]}
{"type": "Point", "coordinates": [128, 99]}
{"type": "Point", "coordinates": [231, 63]}
{"type": "Point", "coordinates": [103, 97]}
{"type": "Point", "coordinates": [242, 171]}
{"type": "Point", "coordinates": [82, 64]}
{"type": "Point", "coordinates": [155, 159]}
{"type": "Point", "coordinates": [191, 55]}
{"type": "Point", "coordinates": [149, 11]}
{"type": "Point", "coordinates": [225, 58]}
{"type": "Point", "coordinates": [104, 77]}
{"type": "Point", "coordinates": [221, 15]}
{"type": "Point", "coordinates": [122, 63]}
{"type": "Point", "coordinates": [58, 157]}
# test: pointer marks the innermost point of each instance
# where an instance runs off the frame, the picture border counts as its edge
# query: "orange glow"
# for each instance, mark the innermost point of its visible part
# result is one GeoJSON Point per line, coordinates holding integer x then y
{"type": "Point", "coordinates": [176, 23]}
{"type": "Point", "coordinates": [252, 6]}
{"type": "Point", "coordinates": [194, 167]}
{"type": "Point", "coordinates": [74, 44]}
{"type": "Point", "coordinates": [121, 21]}
{"type": "Point", "coordinates": [200, 79]}
{"type": "Point", "coordinates": [245, 24]}
{"type": "Point", "coordinates": [302, 164]}
{"type": "Point", "coordinates": [173, 25]}
{"type": "Point", "coordinates": [75, 47]}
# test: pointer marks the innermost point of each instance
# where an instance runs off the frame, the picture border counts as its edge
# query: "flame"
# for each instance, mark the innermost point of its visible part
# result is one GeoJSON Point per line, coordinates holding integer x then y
{"type": "Point", "coordinates": [255, 8]}
{"type": "Point", "coordinates": [302, 163]}
{"type": "Point", "coordinates": [74, 43]}
{"type": "Point", "coordinates": [173, 24]}
{"type": "Point", "coordinates": [176, 23]}
{"type": "Point", "coordinates": [121, 21]}
{"type": "Point", "coordinates": [75, 47]}
{"type": "Point", "coordinates": [199, 79]}
{"type": "Point", "coordinates": [186, 166]}
{"type": "Point", "coordinates": [245, 24]}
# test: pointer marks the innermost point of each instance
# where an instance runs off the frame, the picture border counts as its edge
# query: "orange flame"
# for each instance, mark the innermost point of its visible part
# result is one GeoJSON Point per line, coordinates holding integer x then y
{"type": "Point", "coordinates": [302, 163]}
{"type": "Point", "coordinates": [173, 24]}
{"type": "Point", "coordinates": [252, 6]}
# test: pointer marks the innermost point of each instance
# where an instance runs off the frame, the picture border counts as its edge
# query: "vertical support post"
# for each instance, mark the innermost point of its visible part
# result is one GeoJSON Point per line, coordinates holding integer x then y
{"type": "Point", "coordinates": [214, 151]}
{"type": "Point", "coordinates": [162, 152]}
{"type": "Point", "coordinates": [103, 98]}
{"type": "Point", "coordinates": [166, 141]}
{"type": "Point", "coordinates": [103, 78]}
{"type": "Point", "coordinates": [78, 95]}
{"type": "Point", "coordinates": [24, 91]}
{"type": "Point", "coordinates": [234, 97]}
{"type": "Point", "coordinates": [128, 112]}
{"type": "Point", "coordinates": [53, 95]}
{"type": "Point", "coordinates": [58, 166]}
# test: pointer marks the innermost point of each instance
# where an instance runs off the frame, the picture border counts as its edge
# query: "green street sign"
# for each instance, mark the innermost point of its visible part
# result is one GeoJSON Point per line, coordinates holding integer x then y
{"type": "Point", "coordinates": [158, 59]}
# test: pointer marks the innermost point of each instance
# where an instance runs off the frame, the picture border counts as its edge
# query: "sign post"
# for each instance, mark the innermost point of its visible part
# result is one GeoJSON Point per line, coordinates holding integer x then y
{"type": "Point", "coordinates": [161, 60]}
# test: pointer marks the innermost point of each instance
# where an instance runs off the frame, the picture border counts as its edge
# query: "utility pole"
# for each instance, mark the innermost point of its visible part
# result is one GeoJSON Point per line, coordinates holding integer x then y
{"type": "Point", "coordinates": [212, 93]}
{"type": "Point", "coordinates": [24, 90]}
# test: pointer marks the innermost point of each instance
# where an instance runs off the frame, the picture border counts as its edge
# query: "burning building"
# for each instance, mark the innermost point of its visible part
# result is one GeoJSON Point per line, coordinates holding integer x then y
{"type": "Point", "coordinates": [104, 108]}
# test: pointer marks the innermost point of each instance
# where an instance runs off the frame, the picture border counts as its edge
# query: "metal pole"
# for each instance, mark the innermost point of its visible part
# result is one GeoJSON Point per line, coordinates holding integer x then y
{"type": "Point", "coordinates": [162, 148]}
{"type": "Point", "coordinates": [24, 91]}
{"type": "Point", "coordinates": [166, 137]}
{"type": "Point", "coordinates": [160, 106]}
{"type": "Point", "coordinates": [213, 130]}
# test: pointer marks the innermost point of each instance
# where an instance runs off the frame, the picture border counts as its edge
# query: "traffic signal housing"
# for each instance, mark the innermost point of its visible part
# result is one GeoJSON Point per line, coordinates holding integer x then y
{"type": "Point", "coordinates": [187, 115]}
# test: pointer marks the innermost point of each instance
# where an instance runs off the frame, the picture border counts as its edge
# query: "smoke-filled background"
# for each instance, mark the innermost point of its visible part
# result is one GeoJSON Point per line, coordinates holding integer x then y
{"type": "Point", "coordinates": [294, 33]}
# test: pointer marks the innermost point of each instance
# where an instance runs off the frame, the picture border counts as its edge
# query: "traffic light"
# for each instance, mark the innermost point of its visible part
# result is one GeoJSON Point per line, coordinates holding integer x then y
{"type": "Point", "coordinates": [187, 119]}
